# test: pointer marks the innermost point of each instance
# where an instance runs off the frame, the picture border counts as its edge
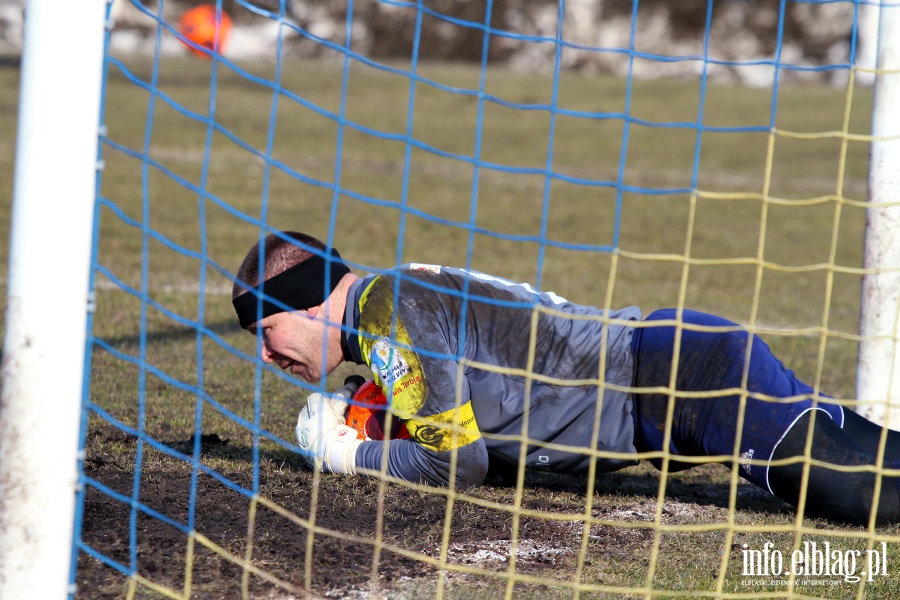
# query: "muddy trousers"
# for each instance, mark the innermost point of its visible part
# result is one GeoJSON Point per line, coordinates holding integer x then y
{"type": "Point", "coordinates": [732, 399]}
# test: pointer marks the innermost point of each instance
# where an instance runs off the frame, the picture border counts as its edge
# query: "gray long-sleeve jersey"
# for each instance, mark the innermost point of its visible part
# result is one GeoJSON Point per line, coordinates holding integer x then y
{"type": "Point", "coordinates": [483, 367]}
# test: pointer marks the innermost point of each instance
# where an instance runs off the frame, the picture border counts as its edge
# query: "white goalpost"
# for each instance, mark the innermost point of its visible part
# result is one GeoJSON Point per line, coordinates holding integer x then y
{"type": "Point", "coordinates": [878, 373]}
{"type": "Point", "coordinates": [46, 316]}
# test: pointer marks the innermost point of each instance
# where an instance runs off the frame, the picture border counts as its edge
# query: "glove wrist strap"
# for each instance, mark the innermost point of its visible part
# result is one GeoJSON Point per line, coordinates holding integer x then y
{"type": "Point", "coordinates": [340, 451]}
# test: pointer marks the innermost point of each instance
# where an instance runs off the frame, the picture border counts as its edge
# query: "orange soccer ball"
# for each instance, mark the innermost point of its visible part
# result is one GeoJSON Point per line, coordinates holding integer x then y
{"type": "Point", "coordinates": [201, 26]}
{"type": "Point", "coordinates": [367, 414]}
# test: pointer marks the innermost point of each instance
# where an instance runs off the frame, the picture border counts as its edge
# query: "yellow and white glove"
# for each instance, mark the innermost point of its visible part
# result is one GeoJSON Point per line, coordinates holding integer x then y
{"type": "Point", "coordinates": [324, 436]}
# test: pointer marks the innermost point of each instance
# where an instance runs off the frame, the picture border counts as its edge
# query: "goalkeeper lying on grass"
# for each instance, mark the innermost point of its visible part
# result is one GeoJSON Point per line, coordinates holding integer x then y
{"type": "Point", "coordinates": [473, 364]}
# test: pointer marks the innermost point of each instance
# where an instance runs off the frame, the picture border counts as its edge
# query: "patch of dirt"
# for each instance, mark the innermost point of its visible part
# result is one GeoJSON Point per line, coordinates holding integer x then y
{"type": "Point", "coordinates": [314, 535]}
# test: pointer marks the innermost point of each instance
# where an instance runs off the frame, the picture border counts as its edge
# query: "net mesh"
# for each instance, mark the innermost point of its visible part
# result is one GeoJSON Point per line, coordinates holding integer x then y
{"type": "Point", "coordinates": [710, 155]}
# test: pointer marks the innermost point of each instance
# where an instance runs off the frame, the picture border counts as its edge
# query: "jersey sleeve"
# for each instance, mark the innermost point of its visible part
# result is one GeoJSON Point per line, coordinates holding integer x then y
{"type": "Point", "coordinates": [409, 348]}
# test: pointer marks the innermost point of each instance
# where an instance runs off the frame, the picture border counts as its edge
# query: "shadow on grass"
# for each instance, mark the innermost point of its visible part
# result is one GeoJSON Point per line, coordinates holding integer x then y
{"type": "Point", "coordinates": [176, 333]}
{"type": "Point", "coordinates": [703, 485]}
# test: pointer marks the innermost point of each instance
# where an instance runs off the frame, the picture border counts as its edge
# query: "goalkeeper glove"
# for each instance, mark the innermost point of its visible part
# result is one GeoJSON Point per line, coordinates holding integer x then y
{"type": "Point", "coordinates": [323, 434]}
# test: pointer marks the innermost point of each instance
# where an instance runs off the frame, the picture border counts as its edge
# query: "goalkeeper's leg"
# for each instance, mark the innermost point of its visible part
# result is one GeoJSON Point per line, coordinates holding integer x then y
{"type": "Point", "coordinates": [867, 435]}
{"type": "Point", "coordinates": [834, 494]}
{"type": "Point", "coordinates": [713, 360]}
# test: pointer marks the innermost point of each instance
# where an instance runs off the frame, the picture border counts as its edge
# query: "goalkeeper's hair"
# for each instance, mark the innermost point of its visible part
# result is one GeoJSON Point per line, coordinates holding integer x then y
{"type": "Point", "coordinates": [280, 255]}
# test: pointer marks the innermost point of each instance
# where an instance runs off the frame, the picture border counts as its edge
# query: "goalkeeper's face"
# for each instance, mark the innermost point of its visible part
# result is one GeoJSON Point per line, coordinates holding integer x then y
{"type": "Point", "coordinates": [299, 342]}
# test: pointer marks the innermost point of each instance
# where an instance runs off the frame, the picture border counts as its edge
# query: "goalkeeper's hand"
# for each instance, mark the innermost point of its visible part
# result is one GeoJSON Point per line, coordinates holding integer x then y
{"type": "Point", "coordinates": [324, 436]}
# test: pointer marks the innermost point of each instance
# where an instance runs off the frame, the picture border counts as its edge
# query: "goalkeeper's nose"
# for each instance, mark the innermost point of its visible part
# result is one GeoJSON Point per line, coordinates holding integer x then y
{"type": "Point", "coordinates": [267, 355]}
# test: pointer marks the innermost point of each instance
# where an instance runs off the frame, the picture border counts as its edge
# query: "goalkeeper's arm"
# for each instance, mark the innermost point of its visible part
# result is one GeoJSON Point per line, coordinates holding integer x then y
{"type": "Point", "coordinates": [412, 461]}
{"type": "Point", "coordinates": [329, 443]}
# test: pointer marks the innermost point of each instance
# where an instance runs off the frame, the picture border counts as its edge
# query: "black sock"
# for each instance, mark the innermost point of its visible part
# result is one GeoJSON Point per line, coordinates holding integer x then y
{"type": "Point", "coordinates": [868, 435]}
{"type": "Point", "coordinates": [831, 494]}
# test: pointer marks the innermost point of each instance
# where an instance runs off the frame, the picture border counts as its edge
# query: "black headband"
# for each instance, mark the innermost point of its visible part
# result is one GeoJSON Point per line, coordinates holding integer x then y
{"type": "Point", "coordinates": [300, 287]}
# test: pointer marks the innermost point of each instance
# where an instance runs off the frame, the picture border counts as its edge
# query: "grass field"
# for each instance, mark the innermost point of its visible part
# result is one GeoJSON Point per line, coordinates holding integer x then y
{"type": "Point", "coordinates": [772, 239]}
